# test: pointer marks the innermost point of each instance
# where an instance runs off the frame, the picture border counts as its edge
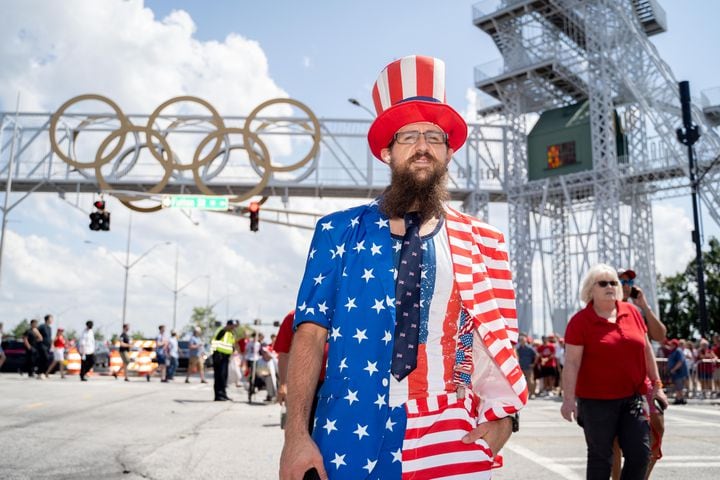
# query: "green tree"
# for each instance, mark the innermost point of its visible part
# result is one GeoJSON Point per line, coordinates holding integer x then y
{"type": "Point", "coordinates": [21, 328]}
{"type": "Point", "coordinates": [71, 335]}
{"type": "Point", "coordinates": [137, 335]}
{"type": "Point", "coordinates": [204, 318]}
{"type": "Point", "coordinates": [677, 296]}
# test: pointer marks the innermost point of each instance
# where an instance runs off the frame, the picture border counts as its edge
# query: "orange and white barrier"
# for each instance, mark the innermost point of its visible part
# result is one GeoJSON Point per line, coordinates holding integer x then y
{"type": "Point", "coordinates": [72, 362]}
{"type": "Point", "coordinates": [115, 362]}
{"type": "Point", "coordinates": [144, 364]}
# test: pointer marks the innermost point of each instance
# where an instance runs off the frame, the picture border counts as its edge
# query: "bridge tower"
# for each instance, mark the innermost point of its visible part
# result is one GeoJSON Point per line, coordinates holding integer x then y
{"type": "Point", "coordinates": [595, 60]}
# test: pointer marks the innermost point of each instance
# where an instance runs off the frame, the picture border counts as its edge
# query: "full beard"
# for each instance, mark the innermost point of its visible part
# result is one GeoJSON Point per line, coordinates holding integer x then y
{"type": "Point", "coordinates": [428, 194]}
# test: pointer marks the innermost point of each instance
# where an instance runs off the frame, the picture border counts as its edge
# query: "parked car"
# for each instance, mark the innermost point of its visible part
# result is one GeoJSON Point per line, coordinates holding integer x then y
{"type": "Point", "coordinates": [102, 355]}
{"type": "Point", "coordinates": [15, 353]}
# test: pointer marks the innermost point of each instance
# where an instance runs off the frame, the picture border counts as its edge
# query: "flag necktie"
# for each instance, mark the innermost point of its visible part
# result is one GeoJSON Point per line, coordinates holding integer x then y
{"type": "Point", "coordinates": [407, 300]}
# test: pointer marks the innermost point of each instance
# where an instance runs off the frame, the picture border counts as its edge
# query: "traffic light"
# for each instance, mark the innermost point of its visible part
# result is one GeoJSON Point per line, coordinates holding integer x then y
{"type": "Point", "coordinates": [100, 219]}
{"type": "Point", "coordinates": [254, 210]}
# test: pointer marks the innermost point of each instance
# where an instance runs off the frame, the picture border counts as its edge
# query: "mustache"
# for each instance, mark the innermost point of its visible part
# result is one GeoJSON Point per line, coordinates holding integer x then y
{"type": "Point", "coordinates": [422, 155]}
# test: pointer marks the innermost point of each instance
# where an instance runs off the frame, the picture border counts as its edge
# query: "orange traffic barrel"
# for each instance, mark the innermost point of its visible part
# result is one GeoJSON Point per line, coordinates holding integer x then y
{"type": "Point", "coordinates": [144, 363]}
{"type": "Point", "coordinates": [72, 363]}
{"type": "Point", "coordinates": [115, 362]}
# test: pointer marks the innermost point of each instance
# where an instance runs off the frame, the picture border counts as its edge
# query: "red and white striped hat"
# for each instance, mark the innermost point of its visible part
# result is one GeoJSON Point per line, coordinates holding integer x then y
{"type": "Point", "coordinates": [409, 90]}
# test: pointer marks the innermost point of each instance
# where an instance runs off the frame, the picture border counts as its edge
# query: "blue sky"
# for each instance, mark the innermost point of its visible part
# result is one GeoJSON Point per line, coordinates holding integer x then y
{"type": "Point", "coordinates": [321, 53]}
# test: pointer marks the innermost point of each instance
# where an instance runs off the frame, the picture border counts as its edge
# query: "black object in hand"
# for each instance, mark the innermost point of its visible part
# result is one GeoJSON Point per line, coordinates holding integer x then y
{"type": "Point", "coordinates": [311, 474]}
{"type": "Point", "coordinates": [634, 292]}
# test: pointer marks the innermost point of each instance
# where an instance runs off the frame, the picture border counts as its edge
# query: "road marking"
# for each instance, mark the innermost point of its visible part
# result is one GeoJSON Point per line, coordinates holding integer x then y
{"type": "Point", "coordinates": [545, 462]}
{"type": "Point", "coordinates": [691, 410]}
{"type": "Point", "coordinates": [35, 405]}
{"type": "Point", "coordinates": [665, 458]}
{"type": "Point", "coordinates": [663, 464]}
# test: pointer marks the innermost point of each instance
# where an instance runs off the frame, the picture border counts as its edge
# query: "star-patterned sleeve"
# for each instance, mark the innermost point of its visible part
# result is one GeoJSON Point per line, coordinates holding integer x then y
{"type": "Point", "coordinates": [316, 297]}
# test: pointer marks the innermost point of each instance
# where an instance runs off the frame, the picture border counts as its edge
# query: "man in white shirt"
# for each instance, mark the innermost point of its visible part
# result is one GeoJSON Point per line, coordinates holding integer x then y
{"type": "Point", "coordinates": [86, 348]}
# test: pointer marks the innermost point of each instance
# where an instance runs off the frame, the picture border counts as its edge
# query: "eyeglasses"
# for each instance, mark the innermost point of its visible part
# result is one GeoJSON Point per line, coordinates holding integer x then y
{"type": "Point", "coordinates": [411, 137]}
{"type": "Point", "coordinates": [605, 283]}
{"type": "Point", "coordinates": [627, 282]}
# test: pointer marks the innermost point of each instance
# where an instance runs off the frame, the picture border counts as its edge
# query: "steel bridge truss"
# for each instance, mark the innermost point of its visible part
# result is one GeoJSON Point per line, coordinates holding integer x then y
{"type": "Point", "coordinates": [560, 52]}
{"type": "Point", "coordinates": [184, 147]}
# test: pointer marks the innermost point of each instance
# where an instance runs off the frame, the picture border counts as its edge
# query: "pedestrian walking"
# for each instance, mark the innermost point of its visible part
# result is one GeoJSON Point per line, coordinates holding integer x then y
{"type": "Point", "coordinates": [222, 348]}
{"type": "Point", "coordinates": [196, 352]}
{"type": "Point", "coordinates": [44, 349]}
{"type": "Point", "coordinates": [86, 349]}
{"type": "Point", "coordinates": [656, 330]}
{"type": "Point", "coordinates": [416, 302]}
{"type": "Point", "coordinates": [173, 355]}
{"type": "Point", "coordinates": [526, 357]}
{"type": "Point", "coordinates": [58, 352]}
{"type": "Point", "coordinates": [32, 339]}
{"type": "Point", "coordinates": [124, 346]}
{"type": "Point", "coordinates": [252, 356]}
{"type": "Point", "coordinates": [3, 357]}
{"type": "Point", "coordinates": [678, 371]}
{"type": "Point", "coordinates": [607, 358]}
{"type": "Point", "coordinates": [161, 349]}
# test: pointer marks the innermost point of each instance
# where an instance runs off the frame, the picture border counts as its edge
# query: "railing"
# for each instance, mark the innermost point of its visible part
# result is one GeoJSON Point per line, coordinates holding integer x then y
{"type": "Point", "coordinates": [703, 380]}
{"type": "Point", "coordinates": [487, 7]}
{"type": "Point", "coordinates": [710, 97]}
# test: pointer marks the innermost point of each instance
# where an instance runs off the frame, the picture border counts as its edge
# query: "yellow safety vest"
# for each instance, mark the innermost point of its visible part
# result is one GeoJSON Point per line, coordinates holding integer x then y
{"type": "Point", "coordinates": [225, 344]}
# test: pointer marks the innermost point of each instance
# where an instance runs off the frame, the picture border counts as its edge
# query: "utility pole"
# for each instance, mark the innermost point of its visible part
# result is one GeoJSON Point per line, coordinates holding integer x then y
{"type": "Point", "coordinates": [688, 135]}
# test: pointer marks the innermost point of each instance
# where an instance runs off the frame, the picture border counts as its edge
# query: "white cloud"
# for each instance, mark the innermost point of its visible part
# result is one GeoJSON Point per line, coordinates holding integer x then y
{"type": "Point", "coordinates": [57, 50]}
{"type": "Point", "coordinates": [120, 50]}
{"type": "Point", "coordinates": [673, 246]}
{"type": "Point", "coordinates": [471, 107]}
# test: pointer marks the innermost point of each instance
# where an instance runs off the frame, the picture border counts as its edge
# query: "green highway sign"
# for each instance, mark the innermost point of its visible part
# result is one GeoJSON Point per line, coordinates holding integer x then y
{"type": "Point", "coordinates": [199, 202]}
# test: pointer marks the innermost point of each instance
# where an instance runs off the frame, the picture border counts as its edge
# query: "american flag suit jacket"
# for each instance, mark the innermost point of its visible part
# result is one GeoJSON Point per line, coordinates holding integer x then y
{"type": "Point", "coordinates": [349, 288]}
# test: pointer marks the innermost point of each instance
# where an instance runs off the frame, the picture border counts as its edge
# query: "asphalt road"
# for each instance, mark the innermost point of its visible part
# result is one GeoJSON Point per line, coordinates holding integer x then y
{"type": "Point", "coordinates": [107, 429]}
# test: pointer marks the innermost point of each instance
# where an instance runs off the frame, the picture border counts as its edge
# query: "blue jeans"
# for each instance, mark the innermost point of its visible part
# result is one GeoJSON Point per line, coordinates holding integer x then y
{"type": "Point", "coordinates": [172, 366]}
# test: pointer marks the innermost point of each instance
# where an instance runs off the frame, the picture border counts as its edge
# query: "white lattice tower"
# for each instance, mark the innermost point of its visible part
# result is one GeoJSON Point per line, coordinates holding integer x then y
{"type": "Point", "coordinates": [560, 259]}
{"type": "Point", "coordinates": [600, 28]}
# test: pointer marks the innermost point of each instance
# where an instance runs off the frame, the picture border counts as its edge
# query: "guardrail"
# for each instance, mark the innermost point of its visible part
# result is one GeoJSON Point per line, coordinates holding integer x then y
{"type": "Point", "coordinates": [703, 380]}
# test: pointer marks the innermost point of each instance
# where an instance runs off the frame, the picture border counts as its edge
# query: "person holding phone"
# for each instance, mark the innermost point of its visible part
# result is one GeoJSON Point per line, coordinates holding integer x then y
{"type": "Point", "coordinates": [608, 357]}
{"type": "Point", "coordinates": [656, 331]}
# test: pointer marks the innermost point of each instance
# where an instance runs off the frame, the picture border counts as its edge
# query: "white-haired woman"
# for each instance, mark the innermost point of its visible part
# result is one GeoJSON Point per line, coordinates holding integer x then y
{"type": "Point", "coordinates": [607, 357]}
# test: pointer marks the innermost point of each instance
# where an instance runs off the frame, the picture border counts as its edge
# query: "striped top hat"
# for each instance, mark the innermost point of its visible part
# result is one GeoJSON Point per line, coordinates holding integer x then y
{"type": "Point", "coordinates": [409, 90]}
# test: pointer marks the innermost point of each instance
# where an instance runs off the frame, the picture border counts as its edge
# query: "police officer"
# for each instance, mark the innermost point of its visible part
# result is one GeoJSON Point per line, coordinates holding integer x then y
{"type": "Point", "coordinates": [222, 348]}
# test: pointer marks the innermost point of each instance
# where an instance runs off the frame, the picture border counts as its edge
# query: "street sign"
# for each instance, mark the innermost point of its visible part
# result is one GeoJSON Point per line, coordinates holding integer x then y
{"type": "Point", "coordinates": [198, 202]}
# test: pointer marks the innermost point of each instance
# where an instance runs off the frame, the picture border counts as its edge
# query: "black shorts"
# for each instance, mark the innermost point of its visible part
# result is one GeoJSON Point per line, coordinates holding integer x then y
{"type": "Point", "coordinates": [547, 372]}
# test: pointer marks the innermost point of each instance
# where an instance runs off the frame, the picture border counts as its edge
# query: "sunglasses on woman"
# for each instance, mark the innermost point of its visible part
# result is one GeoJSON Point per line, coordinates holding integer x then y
{"type": "Point", "coordinates": [605, 283]}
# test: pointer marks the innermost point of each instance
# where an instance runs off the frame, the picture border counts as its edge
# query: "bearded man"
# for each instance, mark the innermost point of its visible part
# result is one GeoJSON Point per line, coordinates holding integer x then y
{"type": "Point", "coordinates": [416, 303]}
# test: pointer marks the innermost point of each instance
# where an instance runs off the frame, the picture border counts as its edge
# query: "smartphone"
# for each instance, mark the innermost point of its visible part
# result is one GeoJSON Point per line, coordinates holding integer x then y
{"type": "Point", "coordinates": [634, 292]}
{"type": "Point", "coordinates": [659, 405]}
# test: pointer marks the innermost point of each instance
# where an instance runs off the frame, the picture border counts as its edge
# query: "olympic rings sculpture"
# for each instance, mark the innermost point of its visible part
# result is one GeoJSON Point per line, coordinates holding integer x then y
{"type": "Point", "coordinates": [156, 142]}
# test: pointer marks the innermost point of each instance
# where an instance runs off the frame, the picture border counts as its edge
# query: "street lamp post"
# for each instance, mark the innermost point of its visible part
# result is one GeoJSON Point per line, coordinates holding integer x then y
{"type": "Point", "coordinates": [357, 103]}
{"type": "Point", "coordinates": [127, 265]}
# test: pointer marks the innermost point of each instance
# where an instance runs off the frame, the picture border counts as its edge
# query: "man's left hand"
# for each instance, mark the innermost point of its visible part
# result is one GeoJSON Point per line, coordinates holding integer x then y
{"type": "Point", "coordinates": [659, 393]}
{"type": "Point", "coordinates": [495, 433]}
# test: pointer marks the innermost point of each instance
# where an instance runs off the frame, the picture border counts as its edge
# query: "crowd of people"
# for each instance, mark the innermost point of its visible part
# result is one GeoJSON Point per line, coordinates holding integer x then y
{"type": "Point", "coordinates": [252, 360]}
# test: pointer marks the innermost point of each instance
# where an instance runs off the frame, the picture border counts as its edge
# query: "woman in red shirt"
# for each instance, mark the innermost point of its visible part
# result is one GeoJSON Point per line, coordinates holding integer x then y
{"type": "Point", "coordinates": [58, 353]}
{"type": "Point", "coordinates": [607, 357]}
